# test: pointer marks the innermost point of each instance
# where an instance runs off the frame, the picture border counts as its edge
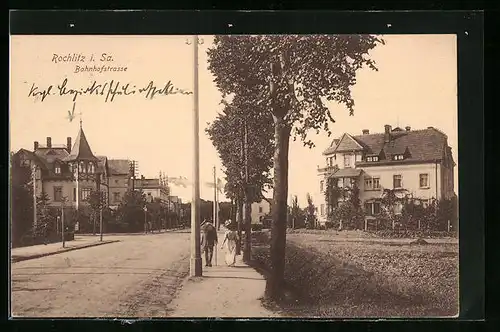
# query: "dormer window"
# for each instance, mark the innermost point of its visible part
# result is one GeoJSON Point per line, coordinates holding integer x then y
{"type": "Point", "coordinates": [398, 157]}
{"type": "Point", "coordinates": [81, 167]}
{"type": "Point", "coordinates": [57, 169]}
{"type": "Point", "coordinates": [90, 168]}
{"type": "Point", "coordinates": [371, 158]}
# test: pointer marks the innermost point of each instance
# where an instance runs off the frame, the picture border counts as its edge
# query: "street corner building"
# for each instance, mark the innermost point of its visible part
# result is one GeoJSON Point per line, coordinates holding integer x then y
{"type": "Point", "coordinates": [67, 174]}
{"type": "Point", "coordinates": [412, 163]}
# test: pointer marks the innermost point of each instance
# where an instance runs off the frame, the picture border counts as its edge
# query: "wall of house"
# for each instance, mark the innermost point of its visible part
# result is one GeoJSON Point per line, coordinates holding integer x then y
{"type": "Point", "coordinates": [339, 159]}
{"type": "Point", "coordinates": [117, 184]}
{"type": "Point", "coordinates": [67, 190]}
{"type": "Point", "coordinates": [410, 178]}
{"type": "Point", "coordinates": [259, 209]}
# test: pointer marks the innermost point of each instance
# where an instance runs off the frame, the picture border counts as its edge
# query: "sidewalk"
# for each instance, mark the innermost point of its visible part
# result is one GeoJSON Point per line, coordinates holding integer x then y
{"type": "Point", "coordinates": [41, 250]}
{"type": "Point", "coordinates": [222, 292]}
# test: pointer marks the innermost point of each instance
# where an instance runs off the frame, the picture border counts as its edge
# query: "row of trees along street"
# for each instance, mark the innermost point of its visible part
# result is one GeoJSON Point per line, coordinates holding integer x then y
{"type": "Point", "coordinates": [284, 81]}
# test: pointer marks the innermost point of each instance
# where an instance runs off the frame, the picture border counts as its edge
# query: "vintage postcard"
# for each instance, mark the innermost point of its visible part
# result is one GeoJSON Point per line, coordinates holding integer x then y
{"type": "Point", "coordinates": [267, 176]}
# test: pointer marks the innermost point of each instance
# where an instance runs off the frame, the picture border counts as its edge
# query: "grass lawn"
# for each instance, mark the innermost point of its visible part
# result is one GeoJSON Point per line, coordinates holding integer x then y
{"type": "Point", "coordinates": [344, 275]}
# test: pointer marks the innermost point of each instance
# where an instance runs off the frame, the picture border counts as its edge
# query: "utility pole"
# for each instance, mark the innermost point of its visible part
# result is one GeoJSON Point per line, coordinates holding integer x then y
{"type": "Point", "coordinates": [248, 212]}
{"type": "Point", "coordinates": [33, 178]}
{"type": "Point", "coordinates": [215, 198]}
{"type": "Point", "coordinates": [217, 204]}
{"type": "Point", "coordinates": [100, 218]}
{"type": "Point", "coordinates": [195, 261]}
{"type": "Point", "coordinates": [62, 223]}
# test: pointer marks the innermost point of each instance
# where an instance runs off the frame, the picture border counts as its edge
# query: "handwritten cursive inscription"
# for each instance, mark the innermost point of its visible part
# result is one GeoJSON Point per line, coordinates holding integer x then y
{"type": "Point", "coordinates": [107, 90]}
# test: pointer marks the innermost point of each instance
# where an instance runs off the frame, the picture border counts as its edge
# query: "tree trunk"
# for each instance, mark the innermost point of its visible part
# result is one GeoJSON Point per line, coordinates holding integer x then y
{"type": "Point", "coordinates": [239, 220]}
{"type": "Point", "coordinates": [248, 230]}
{"type": "Point", "coordinates": [275, 284]}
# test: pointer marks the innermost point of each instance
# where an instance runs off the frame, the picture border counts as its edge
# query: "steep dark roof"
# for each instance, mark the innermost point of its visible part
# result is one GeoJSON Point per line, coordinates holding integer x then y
{"type": "Point", "coordinates": [49, 156]}
{"type": "Point", "coordinates": [81, 149]}
{"type": "Point", "coordinates": [118, 166]}
{"type": "Point", "coordinates": [423, 145]}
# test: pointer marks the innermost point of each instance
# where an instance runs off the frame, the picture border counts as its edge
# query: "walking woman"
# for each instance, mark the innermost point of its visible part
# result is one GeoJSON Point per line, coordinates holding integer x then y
{"type": "Point", "coordinates": [230, 240]}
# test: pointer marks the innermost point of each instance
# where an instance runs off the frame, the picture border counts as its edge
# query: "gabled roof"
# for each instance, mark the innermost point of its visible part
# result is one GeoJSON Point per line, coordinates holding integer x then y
{"type": "Point", "coordinates": [423, 145]}
{"type": "Point", "coordinates": [347, 143]}
{"type": "Point", "coordinates": [81, 149]}
{"type": "Point", "coordinates": [32, 156]}
{"type": "Point", "coordinates": [118, 166]}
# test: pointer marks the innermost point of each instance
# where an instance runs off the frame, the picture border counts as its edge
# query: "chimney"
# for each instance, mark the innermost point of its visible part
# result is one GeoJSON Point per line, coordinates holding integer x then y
{"type": "Point", "coordinates": [408, 128]}
{"type": "Point", "coordinates": [49, 142]}
{"type": "Point", "coordinates": [387, 134]}
{"type": "Point", "coordinates": [366, 131]}
{"type": "Point", "coordinates": [35, 145]}
{"type": "Point", "coordinates": [68, 144]}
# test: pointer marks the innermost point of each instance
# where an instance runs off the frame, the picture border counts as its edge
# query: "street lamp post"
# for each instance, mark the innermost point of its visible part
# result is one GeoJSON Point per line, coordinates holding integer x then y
{"type": "Point", "coordinates": [195, 261]}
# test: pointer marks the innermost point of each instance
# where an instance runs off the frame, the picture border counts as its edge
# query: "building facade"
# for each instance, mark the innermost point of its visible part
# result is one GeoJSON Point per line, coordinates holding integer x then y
{"type": "Point", "coordinates": [259, 211]}
{"type": "Point", "coordinates": [417, 163]}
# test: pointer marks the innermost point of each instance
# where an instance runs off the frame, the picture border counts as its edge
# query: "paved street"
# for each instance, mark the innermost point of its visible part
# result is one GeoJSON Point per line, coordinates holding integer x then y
{"type": "Point", "coordinates": [136, 277]}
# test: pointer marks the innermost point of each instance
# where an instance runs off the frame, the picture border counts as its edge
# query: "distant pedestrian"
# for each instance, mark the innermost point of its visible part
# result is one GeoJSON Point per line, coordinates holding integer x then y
{"type": "Point", "coordinates": [208, 241]}
{"type": "Point", "coordinates": [230, 239]}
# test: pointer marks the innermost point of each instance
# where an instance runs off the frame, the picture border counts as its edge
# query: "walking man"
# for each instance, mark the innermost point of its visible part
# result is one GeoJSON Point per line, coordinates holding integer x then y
{"type": "Point", "coordinates": [208, 241]}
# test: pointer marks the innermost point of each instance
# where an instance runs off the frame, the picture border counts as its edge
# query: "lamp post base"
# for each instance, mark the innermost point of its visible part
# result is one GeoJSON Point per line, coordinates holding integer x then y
{"type": "Point", "coordinates": [195, 267]}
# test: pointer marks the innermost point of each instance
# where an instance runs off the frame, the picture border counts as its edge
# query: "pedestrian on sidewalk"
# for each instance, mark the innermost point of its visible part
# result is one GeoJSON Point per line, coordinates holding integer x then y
{"type": "Point", "coordinates": [230, 239]}
{"type": "Point", "coordinates": [208, 241]}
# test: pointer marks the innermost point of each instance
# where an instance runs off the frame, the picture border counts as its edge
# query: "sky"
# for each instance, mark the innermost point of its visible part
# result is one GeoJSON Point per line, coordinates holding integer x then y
{"type": "Point", "coordinates": [416, 85]}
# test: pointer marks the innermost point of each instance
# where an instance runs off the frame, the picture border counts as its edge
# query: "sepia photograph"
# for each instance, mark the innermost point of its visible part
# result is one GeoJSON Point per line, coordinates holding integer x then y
{"type": "Point", "coordinates": [234, 176]}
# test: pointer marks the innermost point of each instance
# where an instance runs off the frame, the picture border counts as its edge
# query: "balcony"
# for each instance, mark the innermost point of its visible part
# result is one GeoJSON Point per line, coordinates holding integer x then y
{"type": "Point", "coordinates": [328, 169]}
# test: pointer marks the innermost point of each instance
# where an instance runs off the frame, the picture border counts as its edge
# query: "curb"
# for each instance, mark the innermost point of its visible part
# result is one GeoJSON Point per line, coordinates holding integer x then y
{"type": "Point", "coordinates": [25, 258]}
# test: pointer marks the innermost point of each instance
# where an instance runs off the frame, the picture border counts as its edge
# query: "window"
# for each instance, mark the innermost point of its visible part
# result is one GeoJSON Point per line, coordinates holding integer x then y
{"type": "Point", "coordinates": [260, 209]}
{"type": "Point", "coordinates": [398, 157]}
{"type": "Point", "coordinates": [74, 194]}
{"type": "Point", "coordinates": [90, 168]}
{"type": "Point", "coordinates": [85, 193]}
{"type": "Point", "coordinates": [81, 167]}
{"type": "Point", "coordinates": [347, 160]}
{"type": "Point", "coordinates": [375, 158]}
{"type": "Point", "coordinates": [368, 209]}
{"type": "Point", "coordinates": [322, 209]}
{"type": "Point", "coordinates": [57, 169]}
{"type": "Point", "coordinates": [358, 157]}
{"type": "Point", "coordinates": [368, 184]}
{"type": "Point", "coordinates": [397, 181]}
{"type": "Point", "coordinates": [424, 180]}
{"type": "Point", "coordinates": [116, 196]}
{"type": "Point", "coordinates": [58, 194]}
{"type": "Point", "coordinates": [376, 183]}
{"type": "Point", "coordinates": [369, 158]}
{"type": "Point", "coordinates": [372, 209]}
{"type": "Point", "coordinates": [321, 185]}
{"type": "Point", "coordinates": [117, 181]}
{"type": "Point", "coordinates": [372, 158]}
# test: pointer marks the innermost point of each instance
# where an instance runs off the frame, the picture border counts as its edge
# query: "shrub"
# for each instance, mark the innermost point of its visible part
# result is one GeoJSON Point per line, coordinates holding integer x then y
{"type": "Point", "coordinates": [257, 227]}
